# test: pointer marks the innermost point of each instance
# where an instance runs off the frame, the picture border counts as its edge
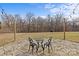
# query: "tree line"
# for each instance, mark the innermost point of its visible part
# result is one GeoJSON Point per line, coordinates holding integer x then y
{"type": "Point", "coordinates": [30, 23]}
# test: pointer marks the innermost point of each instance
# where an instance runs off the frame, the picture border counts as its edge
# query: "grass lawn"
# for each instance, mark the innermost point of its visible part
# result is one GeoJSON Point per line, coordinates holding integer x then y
{"type": "Point", "coordinates": [8, 37]}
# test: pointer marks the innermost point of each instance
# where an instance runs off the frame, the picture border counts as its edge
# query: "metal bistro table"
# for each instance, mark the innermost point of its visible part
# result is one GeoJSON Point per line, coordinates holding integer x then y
{"type": "Point", "coordinates": [39, 42]}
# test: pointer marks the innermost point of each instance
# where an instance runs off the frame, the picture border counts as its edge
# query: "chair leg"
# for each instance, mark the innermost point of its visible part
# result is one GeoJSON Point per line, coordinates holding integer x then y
{"type": "Point", "coordinates": [48, 49]}
{"type": "Point", "coordinates": [37, 51]}
{"type": "Point", "coordinates": [29, 48]}
{"type": "Point", "coordinates": [32, 49]}
{"type": "Point", "coordinates": [43, 50]}
{"type": "Point", "coordinates": [51, 47]}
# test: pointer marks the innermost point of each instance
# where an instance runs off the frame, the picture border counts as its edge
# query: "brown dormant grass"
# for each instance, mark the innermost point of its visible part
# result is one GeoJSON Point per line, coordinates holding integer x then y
{"type": "Point", "coordinates": [9, 37]}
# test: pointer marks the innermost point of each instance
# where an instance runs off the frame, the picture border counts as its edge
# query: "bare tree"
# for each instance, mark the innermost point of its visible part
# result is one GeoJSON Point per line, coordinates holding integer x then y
{"type": "Point", "coordinates": [28, 18]}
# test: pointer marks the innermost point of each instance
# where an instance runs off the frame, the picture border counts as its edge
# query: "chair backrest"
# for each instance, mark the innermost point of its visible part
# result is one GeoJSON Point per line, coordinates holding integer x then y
{"type": "Point", "coordinates": [42, 41]}
{"type": "Point", "coordinates": [50, 39]}
{"type": "Point", "coordinates": [30, 40]}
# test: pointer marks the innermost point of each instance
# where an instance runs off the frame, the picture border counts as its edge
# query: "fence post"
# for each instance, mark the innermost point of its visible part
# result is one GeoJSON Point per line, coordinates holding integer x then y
{"type": "Point", "coordinates": [14, 36]}
{"type": "Point", "coordinates": [14, 30]}
{"type": "Point", "coordinates": [64, 28]}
